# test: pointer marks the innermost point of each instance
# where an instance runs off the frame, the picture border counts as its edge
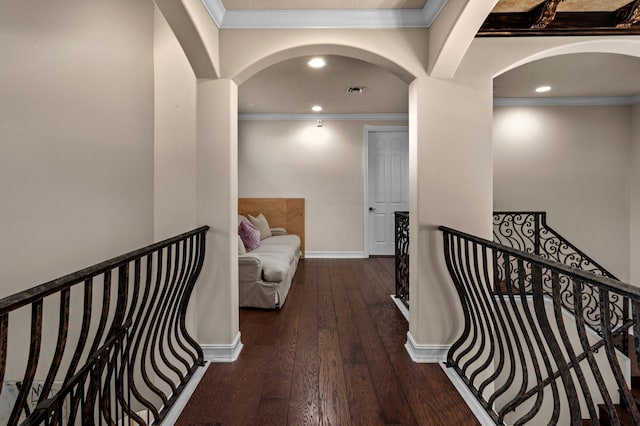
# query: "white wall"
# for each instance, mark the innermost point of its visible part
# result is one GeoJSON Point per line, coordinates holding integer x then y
{"type": "Point", "coordinates": [635, 195]}
{"type": "Point", "coordinates": [175, 135]}
{"type": "Point", "coordinates": [573, 163]}
{"type": "Point", "coordinates": [76, 135]}
{"type": "Point", "coordinates": [324, 165]}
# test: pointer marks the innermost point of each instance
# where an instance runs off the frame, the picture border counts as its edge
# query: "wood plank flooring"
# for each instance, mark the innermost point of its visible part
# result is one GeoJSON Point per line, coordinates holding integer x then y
{"type": "Point", "coordinates": [334, 355]}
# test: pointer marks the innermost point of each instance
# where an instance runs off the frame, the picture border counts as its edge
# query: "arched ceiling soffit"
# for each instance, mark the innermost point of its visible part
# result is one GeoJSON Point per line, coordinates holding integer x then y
{"type": "Point", "coordinates": [200, 47]}
{"type": "Point", "coordinates": [311, 50]}
{"type": "Point", "coordinates": [629, 47]}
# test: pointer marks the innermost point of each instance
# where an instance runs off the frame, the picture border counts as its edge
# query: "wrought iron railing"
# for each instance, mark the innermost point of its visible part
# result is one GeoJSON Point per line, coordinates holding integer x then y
{"type": "Point", "coordinates": [520, 353]}
{"type": "Point", "coordinates": [402, 256]}
{"type": "Point", "coordinates": [107, 344]}
{"type": "Point", "coordinates": [529, 232]}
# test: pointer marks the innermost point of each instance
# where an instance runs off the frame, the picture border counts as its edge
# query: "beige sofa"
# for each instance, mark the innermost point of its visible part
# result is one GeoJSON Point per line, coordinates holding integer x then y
{"type": "Point", "coordinates": [266, 273]}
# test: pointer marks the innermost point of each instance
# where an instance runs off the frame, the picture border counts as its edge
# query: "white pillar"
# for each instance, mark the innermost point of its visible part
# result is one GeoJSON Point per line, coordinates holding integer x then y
{"type": "Point", "coordinates": [217, 195]}
{"type": "Point", "coordinates": [452, 185]}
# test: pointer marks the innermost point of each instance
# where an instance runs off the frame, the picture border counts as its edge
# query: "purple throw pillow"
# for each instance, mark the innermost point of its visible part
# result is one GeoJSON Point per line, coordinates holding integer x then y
{"type": "Point", "coordinates": [249, 235]}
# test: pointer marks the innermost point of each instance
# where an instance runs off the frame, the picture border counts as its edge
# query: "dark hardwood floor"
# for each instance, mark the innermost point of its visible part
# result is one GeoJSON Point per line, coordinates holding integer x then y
{"type": "Point", "coordinates": [333, 355]}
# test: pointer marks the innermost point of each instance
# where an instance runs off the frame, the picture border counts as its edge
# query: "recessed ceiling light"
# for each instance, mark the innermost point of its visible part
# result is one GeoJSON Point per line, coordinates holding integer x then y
{"type": "Point", "coordinates": [316, 63]}
{"type": "Point", "coordinates": [316, 108]}
{"type": "Point", "coordinates": [543, 89]}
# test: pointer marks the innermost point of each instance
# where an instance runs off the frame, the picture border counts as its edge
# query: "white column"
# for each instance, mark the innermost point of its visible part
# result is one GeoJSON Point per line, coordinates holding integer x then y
{"type": "Point", "coordinates": [217, 195]}
{"type": "Point", "coordinates": [451, 185]}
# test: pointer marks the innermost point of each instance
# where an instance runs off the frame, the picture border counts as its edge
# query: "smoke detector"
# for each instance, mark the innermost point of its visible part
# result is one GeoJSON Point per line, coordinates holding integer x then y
{"type": "Point", "coordinates": [356, 90]}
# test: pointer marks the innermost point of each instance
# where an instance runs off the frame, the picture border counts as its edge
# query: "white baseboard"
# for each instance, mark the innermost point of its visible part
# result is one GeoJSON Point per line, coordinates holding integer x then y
{"type": "Point", "coordinates": [425, 353]}
{"type": "Point", "coordinates": [181, 402]}
{"type": "Point", "coordinates": [401, 306]}
{"type": "Point", "coordinates": [469, 398]}
{"type": "Point", "coordinates": [334, 255]}
{"type": "Point", "coordinates": [223, 353]}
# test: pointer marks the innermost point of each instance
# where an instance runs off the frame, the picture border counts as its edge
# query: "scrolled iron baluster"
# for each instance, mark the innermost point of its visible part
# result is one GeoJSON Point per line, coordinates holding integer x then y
{"type": "Point", "coordinates": [106, 302]}
{"type": "Point", "coordinates": [63, 328]}
{"type": "Point", "coordinates": [172, 298]}
{"type": "Point", "coordinates": [144, 332]}
{"type": "Point", "coordinates": [159, 318]}
{"type": "Point", "coordinates": [545, 360]}
{"type": "Point", "coordinates": [201, 245]}
{"type": "Point", "coordinates": [449, 254]}
{"type": "Point", "coordinates": [479, 329]}
{"type": "Point", "coordinates": [628, 399]}
{"type": "Point", "coordinates": [520, 398]}
{"type": "Point", "coordinates": [575, 363]}
{"type": "Point", "coordinates": [501, 330]}
{"type": "Point", "coordinates": [4, 334]}
{"type": "Point", "coordinates": [480, 296]}
{"type": "Point", "coordinates": [512, 364]}
{"type": "Point", "coordinates": [135, 308]}
{"type": "Point", "coordinates": [32, 364]}
{"type": "Point", "coordinates": [82, 341]}
{"type": "Point", "coordinates": [554, 347]}
{"type": "Point", "coordinates": [471, 306]}
{"type": "Point", "coordinates": [587, 350]}
{"type": "Point", "coordinates": [190, 266]}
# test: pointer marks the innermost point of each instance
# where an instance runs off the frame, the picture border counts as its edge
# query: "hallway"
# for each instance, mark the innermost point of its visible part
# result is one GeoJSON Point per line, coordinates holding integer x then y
{"type": "Point", "coordinates": [333, 355]}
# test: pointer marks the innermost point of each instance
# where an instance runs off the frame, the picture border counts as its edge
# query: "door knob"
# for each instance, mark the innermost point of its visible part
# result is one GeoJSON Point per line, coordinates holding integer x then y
{"type": "Point", "coordinates": [372, 209]}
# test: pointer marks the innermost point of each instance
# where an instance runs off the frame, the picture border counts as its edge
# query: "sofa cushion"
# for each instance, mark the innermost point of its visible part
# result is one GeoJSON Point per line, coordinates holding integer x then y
{"type": "Point", "coordinates": [291, 240]}
{"type": "Point", "coordinates": [249, 234]}
{"type": "Point", "coordinates": [284, 249]}
{"type": "Point", "coordinates": [274, 266]}
{"type": "Point", "coordinates": [261, 224]}
{"type": "Point", "coordinates": [241, 248]}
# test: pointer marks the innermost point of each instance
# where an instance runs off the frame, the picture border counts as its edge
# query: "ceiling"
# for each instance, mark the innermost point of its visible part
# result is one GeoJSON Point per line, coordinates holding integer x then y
{"type": "Point", "coordinates": [321, 4]}
{"type": "Point", "coordinates": [292, 87]}
{"type": "Point", "coordinates": [577, 75]}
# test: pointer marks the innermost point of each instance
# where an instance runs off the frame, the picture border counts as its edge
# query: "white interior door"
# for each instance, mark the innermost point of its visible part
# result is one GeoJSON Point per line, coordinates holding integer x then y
{"type": "Point", "coordinates": [388, 187]}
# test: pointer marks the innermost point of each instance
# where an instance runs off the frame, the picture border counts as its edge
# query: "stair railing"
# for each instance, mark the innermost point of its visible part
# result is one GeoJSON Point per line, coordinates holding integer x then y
{"type": "Point", "coordinates": [402, 256]}
{"type": "Point", "coordinates": [522, 356]}
{"type": "Point", "coordinates": [529, 232]}
{"type": "Point", "coordinates": [107, 344]}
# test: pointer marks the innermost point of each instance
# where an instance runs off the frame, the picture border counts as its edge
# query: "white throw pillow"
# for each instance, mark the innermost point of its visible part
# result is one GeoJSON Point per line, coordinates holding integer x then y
{"type": "Point", "coordinates": [261, 225]}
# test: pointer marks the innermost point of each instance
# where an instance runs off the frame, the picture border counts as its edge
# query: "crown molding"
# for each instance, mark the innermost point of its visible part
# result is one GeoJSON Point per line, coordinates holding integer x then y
{"type": "Point", "coordinates": [568, 101]}
{"type": "Point", "coordinates": [313, 117]}
{"type": "Point", "coordinates": [216, 11]}
{"type": "Point", "coordinates": [432, 9]}
{"type": "Point", "coordinates": [324, 18]}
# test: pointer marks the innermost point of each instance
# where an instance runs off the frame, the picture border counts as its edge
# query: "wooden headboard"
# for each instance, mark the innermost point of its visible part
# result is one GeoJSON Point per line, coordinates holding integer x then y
{"type": "Point", "coordinates": [280, 213]}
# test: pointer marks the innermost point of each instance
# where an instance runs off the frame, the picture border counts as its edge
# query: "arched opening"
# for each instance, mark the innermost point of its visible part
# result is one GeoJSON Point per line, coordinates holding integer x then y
{"type": "Point", "coordinates": [284, 152]}
{"type": "Point", "coordinates": [570, 151]}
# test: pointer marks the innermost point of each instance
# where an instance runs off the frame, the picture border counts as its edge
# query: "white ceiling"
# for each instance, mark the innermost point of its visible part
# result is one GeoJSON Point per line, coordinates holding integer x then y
{"type": "Point", "coordinates": [291, 87]}
{"type": "Point", "coordinates": [324, 13]}
{"type": "Point", "coordinates": [321, 4]}
{"type": "Point", "coordinates": [576, 75]}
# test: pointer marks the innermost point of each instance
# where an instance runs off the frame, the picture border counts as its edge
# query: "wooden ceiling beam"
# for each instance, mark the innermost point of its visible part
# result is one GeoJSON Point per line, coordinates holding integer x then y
{"type": "Point", "coordinates": [547, 14]}
{"type": "Point", "coordinates": [628, 15]}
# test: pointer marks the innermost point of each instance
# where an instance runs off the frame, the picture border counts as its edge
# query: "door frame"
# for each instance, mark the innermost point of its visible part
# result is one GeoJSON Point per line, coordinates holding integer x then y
{"type": "Point", "coordinates": [368, 129]}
